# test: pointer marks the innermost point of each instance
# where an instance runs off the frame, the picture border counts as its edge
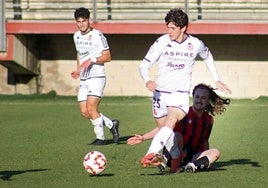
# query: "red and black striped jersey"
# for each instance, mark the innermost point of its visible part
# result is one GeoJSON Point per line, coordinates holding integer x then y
{"type": "Point", "coordinates": [195, 129]}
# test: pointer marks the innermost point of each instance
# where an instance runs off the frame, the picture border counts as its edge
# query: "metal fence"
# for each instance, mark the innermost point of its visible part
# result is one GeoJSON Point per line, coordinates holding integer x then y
{"type": "Point", "coordinates": [116, 10]}
{"type": "Point", "coordinates": [3, 44]}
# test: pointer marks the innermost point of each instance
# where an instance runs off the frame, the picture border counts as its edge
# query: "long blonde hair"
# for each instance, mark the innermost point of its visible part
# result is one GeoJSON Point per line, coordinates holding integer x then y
{"type": "Point", "coordinates": [217, 104]}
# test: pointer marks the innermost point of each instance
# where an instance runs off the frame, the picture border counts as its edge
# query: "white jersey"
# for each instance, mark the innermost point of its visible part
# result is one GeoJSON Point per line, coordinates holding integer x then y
{"type": "Point", "coordinates": [88, 46]}
{"type": "Point", "coordinates": [175, 62]}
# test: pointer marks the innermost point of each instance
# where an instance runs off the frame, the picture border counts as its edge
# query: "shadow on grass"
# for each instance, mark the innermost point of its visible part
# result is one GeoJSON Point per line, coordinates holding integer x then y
{"type": "Point", "coordinates": [157, 174]}
{"type": "Point", "coordinates": [101, 175]}
{"type": "Point", "coordinates": [7, 175]}
{"type": "Point", "coordinates": [122, 140]}
{"type": "Point", "coordinates": [218, 166]}
{"type": "Point", "coordinates": [236, 162]}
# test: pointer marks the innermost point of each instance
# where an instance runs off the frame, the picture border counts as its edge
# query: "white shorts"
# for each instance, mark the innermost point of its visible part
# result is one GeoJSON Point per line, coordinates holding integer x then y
{"type": "Point", "coordinates": [91, 87]}
{"type": "Point", "coordinates": [163, 100]}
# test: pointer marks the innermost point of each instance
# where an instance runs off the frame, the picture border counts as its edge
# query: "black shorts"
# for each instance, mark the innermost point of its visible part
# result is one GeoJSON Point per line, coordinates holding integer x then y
{"type": "Point", "coordinates": [189, 153]}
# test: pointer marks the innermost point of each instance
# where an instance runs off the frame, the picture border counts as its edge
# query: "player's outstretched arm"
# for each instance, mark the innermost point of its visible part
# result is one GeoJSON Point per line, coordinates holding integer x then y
{"type": "Point", "coordinates": [137, 139]}
{"type": "Point", "coordinates": [223, 87]}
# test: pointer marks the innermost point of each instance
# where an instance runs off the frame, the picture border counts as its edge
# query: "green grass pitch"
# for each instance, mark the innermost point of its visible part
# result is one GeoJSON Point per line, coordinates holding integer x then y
{"type": "Point", "coordinates": [43, 140]}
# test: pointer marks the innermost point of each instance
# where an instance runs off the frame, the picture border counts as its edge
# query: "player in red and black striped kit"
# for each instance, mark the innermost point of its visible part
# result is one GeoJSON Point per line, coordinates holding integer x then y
{"type": "Point", "coordinates": [192, 133]}
{"type": "Point", "coordinates": [194, 130]}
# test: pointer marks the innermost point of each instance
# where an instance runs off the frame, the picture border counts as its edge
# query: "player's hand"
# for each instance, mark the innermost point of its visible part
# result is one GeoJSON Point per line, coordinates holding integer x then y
{"type": "Point", "coordinates": [223, 88]}
{"type": "Point", "coordinates": [75, 74]}
{"type": "Point", "coordinates": [151, 85]}
{"type": "Point", "coordinates": [85, 64]}
{"type": "Point", "coordinates": [137, 139]}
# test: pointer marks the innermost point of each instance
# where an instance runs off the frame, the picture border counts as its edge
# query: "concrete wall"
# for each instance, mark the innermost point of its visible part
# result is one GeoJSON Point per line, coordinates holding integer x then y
{"type": "Point", "coordinates": [246, 79]}
{"type": "Point", "coordinates": [241, 60]}
{"type": "Point", "coordinates": [5, 87]}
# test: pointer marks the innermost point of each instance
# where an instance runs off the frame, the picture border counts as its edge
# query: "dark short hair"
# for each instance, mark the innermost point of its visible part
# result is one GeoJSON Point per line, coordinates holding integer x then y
{"type": "Point", "coordinates": [81, 13]}
{"type": "Point", "coordinates": [178, 17]}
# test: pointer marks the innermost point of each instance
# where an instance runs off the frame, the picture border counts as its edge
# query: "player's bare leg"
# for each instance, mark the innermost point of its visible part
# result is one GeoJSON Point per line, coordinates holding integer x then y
{"type": "Point", "coordinates": [89, 110]}
{"type": "Point", "coordinates": [161, 138]}
{"type": "Point", "coordinates": [92, 107]}
{"type": "Point", "coordinates": [203, 160]}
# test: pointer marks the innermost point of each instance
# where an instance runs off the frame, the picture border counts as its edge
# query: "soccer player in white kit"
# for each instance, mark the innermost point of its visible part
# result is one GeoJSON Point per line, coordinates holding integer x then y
{"type": "Point", "coordinates": [92, 52]}
{"type": "Point", "coordinates": [175, 53]}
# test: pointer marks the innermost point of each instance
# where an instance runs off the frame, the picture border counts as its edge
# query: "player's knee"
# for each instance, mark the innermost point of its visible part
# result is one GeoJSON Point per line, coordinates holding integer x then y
{"type": "Point", "coordinates": [93, 113]}
{"type": "Point", "coordinates": [216, 153]}
{"type": "Point", "coordinates": [84, 114]}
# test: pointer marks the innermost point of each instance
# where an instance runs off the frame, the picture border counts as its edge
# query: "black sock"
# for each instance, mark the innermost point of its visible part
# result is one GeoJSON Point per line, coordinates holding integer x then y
{"type": "Point", "coordinates": [168, 156]}
{"type": "Point", "coordinates": [202, 163]}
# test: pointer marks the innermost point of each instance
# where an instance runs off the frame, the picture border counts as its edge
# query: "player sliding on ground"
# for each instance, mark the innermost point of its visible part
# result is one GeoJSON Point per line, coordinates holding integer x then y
{"type": "Point", "coordinates": [192, 134]}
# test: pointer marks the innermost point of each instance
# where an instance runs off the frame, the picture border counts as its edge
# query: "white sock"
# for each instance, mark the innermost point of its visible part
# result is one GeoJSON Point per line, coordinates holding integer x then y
{"type": "Point", "coordinates": [107, 121]}
{"type": "Point", "coordinates": [160, 139]}
{"type": "Point", "coordinates": [172, 146]}
{"type": "Point", "coordinates": [98, 128]}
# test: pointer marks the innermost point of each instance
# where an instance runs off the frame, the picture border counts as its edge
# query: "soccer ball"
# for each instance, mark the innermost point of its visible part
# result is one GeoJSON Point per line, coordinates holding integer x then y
{"type": "Point", "coordinates": [95, 162]}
